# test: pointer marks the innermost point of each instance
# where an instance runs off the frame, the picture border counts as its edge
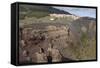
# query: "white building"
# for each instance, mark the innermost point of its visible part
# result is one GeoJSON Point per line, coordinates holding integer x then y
{"type": "Point", "coordinates": [64, 16]}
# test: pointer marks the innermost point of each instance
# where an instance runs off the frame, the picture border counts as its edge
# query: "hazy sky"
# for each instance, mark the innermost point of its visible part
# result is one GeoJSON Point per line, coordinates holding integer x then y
{"type": "Point", "coordinates": [90, 12]}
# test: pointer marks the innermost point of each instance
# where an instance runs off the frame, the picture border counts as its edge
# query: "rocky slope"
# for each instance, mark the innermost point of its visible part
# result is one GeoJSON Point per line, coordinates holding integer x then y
{"type": "Point", "coordinates": [75, 39]}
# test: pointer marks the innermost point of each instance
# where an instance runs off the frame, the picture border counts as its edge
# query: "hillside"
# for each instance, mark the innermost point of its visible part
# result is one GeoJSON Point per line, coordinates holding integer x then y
{"type": "Point", "coordinates": [75, 39]}
{"type": "Point", "coordinates": [84, 25]}
{"type": "Point", "coordinates": [84, 29]}
{"type": "Point", "coordinates": [38, 11]}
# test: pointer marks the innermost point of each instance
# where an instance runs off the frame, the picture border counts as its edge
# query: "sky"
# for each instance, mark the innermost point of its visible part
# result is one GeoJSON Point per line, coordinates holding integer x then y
{"type": "Point", "coordinates": [82, 12]}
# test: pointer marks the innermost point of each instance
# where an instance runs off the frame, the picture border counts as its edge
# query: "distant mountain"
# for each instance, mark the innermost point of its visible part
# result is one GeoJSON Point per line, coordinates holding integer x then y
{"type": "Point", "coordinates": [39, 11]}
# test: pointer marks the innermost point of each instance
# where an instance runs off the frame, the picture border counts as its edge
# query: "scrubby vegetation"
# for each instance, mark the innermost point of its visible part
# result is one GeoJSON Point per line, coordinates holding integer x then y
{"type": "Point", "coordinates": [37, 11]}
{"type": "Point", "coordinates": [74, 39]}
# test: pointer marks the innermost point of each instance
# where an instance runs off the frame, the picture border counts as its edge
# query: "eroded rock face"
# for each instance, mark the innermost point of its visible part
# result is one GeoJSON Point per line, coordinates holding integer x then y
{"type": "Point", "coordinates": [69, 41]}
{"type": "Point", "coordinates": [34, 39]}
